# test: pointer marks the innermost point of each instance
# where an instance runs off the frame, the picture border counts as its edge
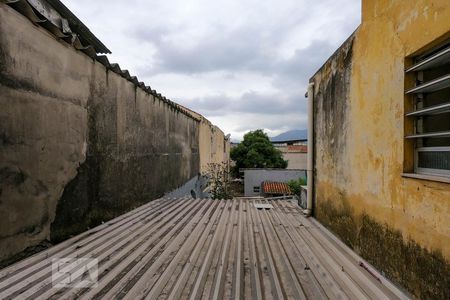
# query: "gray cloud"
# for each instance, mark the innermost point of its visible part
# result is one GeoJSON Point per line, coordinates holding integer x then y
{"type": "Point", "coordinates": [237, 49]}
{"type": "Point", "coordinates": [244, 64]}
{"type": "Point", "coordinates": [249, 102]}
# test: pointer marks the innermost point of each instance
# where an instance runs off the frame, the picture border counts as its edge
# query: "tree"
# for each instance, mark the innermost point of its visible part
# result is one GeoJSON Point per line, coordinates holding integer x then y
{"type": "Point", "coordinates": [256, 151]}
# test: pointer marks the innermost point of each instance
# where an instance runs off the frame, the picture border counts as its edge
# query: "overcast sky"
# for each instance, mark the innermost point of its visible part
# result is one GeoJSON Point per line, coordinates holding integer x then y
{"type": "Point", "coordinates": [243, 64]}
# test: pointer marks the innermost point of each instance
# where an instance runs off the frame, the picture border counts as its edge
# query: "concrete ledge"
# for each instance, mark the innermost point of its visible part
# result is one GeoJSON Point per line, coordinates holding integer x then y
{"type": "Point", "coordinates": [427, 177]}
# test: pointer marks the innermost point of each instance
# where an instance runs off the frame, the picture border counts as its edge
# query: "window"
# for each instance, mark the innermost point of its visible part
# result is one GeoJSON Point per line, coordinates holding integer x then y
{"type": "Point", "coordinates": [256, 189]}
{"type": "Point", "coordinates": [428, 112]}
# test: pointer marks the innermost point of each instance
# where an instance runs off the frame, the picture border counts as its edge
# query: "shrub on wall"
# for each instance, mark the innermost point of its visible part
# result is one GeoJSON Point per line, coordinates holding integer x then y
{"type": "Point", "coordinates": [219, 181]}
{"type": "Point", "coordinates": [295, 185]}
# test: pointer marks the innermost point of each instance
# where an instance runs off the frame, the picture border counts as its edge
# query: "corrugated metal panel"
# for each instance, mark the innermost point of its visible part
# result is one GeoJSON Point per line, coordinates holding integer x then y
{"type": "Point", "coordinates": [208, 249]}
{"type": "Point", "coordinates": [60, 21]}
{"type": "Point", "coordinates": [276, 188]}
{"type": "Point", "coordinates": [85, 34]}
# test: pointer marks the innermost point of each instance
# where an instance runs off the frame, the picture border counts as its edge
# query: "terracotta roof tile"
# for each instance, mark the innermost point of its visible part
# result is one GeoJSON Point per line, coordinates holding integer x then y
{"type": "Point", "coordinates": [276, 188]}
{"type": "Point", "coordinates": [297, 148]}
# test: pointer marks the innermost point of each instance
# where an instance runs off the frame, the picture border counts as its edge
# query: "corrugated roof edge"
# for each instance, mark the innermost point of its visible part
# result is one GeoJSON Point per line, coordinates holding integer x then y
{"type": "Point", "coordinates": [79, 27]}
{"type": "Point", "coordinates": [61, 22]}
{"type": "Point", "coordinates": [78, 35]}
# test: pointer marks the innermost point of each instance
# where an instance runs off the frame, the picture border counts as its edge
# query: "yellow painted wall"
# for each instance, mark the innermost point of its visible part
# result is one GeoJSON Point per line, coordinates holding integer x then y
{"type": "Point", "coordinates": [369, 174]}
{"type": "Point", "coordinates": [390, 31]}
{"type": "Point", "coordinates": [359, 153]}
{"type": "Point", "coordinates": [401, 225]}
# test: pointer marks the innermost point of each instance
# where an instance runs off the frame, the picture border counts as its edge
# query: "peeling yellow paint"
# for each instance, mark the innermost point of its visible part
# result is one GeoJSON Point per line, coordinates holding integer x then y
{"type": "Point", "coordinates": [368, 174]}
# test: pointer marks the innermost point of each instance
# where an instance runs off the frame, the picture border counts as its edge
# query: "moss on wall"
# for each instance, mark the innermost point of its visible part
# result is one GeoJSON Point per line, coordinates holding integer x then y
{"type": "Point", "coordinates": [399, 224]}
{"type": "Point", "coordinates": [424, 273]}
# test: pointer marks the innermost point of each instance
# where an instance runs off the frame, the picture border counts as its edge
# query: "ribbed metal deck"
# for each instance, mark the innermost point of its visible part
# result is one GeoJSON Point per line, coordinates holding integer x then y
{"type": "Point", "coordinates": [205, 249]}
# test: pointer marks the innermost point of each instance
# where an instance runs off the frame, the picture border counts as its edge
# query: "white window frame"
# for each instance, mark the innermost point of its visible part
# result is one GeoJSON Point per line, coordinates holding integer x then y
{"type": "Point", "coordinates": [429, 171]}
{"type": "Point", "coordinates": [440, 57]}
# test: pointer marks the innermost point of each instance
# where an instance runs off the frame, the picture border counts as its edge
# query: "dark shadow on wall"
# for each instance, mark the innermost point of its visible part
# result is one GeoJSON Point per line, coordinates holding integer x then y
{"type": "Point", "coordinates": [81, 141]}
{"type": "Point", "coordinates": [118, 176]}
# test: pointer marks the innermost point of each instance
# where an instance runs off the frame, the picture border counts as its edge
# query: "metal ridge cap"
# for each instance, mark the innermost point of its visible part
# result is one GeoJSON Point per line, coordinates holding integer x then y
{"type": "Point", "coordinates": [57, 19]}
{"type": "Point", "coordinates": [115, 67]}
{"type": "Point", "coordinates": [79, 26]}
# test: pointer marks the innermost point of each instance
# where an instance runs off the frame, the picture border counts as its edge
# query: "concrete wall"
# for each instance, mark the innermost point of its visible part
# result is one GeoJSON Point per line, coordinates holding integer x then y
{"type": "Point", "coordinates": [214, 147]}
{"type": "Point", "coordinates": [296, 159]}
{"type": "Point", "coordinates": [296, 154]}
{"type": "Point", "coordinates": [254, 177]}
{"type": "Point", "coordinates": [401, 225]}
{"type": "Point", "coordinates": [194, 188]}
{"type": "Point", "coordinates": [79, 144]}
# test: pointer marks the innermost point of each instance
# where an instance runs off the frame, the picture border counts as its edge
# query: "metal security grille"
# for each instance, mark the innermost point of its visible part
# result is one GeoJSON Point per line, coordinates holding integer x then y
{"type": "Point", "coordinates": [434, 159]}
{"type": "Point", "coordinates": [431, 114]}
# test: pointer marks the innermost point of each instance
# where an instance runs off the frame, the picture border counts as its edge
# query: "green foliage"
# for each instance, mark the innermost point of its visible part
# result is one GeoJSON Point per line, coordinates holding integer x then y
{"type": "Point", "coordinates": [219, 181]}
{"type": "Point", "coordinates": [295, 185]}
{"type": "Point", "coordinates": [256, 151]}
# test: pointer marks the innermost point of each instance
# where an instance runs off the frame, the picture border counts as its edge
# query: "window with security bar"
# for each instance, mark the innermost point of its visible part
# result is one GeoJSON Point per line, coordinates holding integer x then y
{"type": "Point", "coordinates": [430, 111]}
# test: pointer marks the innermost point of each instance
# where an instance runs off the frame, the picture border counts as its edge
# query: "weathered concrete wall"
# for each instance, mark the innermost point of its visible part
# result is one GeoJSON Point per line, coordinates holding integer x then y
{"type": "Point", "coordinates": [214, 147]}
{"type": "Point", "coordinates": [399, 224]}
{"type": "Point", "coordinates": [296, 159]}
{"type": "Point", "coordinates": [78, 143]}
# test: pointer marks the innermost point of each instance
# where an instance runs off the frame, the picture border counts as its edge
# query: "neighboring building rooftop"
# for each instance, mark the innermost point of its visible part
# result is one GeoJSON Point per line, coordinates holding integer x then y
{"type": "Point", "coordinates": [276, 188]}
{"type": "Point", "coordinates": [292, 135]}
{"type": "Point", "coordinates": [210, 249]}
{"type": "Point", "coordinates": [297, 148]}
{"type": "Point", "coordinates": [289, 142]}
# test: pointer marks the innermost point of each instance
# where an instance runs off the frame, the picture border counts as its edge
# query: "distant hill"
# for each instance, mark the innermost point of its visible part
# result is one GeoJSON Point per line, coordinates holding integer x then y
{"type": "Point", "coordinates": [298, 134]}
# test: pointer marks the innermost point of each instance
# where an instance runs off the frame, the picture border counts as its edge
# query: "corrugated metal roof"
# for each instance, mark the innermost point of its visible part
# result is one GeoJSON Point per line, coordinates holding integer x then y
{"type": "Point", "coordinates": [276, 188]}
{"type": "Point", "coordinates": [209, 249]}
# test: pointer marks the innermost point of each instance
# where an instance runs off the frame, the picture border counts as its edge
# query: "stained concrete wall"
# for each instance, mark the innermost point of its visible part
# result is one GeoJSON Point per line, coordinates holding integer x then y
{"type": "Point", "coordinates": [296, 159]}
{"type": "Point", "coordinates": [399, 224]}
{"type": "Point", "coordinates": [78, 143]}
{"type": "Point", "coordinates": [214, 146]}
